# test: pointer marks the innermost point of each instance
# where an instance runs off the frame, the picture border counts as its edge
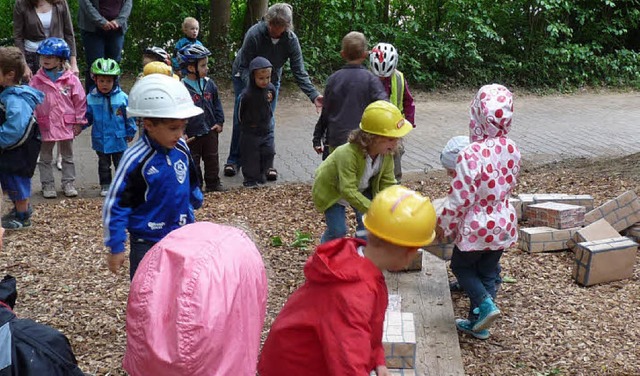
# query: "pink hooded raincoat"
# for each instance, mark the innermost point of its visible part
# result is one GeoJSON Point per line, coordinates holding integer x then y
{"type": "Point", "coordinates": [197, 305]}
{"type": "Point", "coordinates": [477, 211]}
{"type": "Point", "coordinates": [64, 105]}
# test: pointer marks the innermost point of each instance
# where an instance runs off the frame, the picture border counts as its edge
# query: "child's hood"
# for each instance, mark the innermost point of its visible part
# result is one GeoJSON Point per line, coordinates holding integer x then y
{"type": "Point", "coordinates": [32, 96]}
{"type": "Point", "coordinates": [258, 62]}
{"type": "Point", "coordinates": [491, 113]}
{"type": "Point", "coordinates": [338, 261]}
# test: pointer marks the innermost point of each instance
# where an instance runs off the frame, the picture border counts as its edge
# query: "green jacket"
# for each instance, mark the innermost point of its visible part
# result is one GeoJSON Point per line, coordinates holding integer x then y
{"type": "Point", "coordinates": [339, 175]}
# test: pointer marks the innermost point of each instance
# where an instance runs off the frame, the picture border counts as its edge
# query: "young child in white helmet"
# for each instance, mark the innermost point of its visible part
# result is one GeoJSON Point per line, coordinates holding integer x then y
{"type": "Point", "coordinates": [156, 186]}
{"type": "Point", "coordinates": [383, 61]}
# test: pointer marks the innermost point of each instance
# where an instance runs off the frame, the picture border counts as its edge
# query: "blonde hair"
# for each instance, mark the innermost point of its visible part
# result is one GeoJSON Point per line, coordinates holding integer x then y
{"type": "Point", "coordinates": [354, 45]}
{"type": "Point", "coordinates": [188, 21]}
{"type": "Point", "coordinates": [12, 60]}
{"type": "Point", "coordinates": [365, 139]}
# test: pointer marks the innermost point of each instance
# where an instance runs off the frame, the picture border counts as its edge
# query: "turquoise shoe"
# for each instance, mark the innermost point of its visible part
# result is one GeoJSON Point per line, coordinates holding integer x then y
{"type": "Point", "coordinates": [465, 327]}
{"type": "Point", "coordinates": [487, 313]}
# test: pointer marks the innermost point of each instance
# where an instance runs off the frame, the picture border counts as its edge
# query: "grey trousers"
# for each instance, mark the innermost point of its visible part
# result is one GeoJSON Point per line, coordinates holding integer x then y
{"type": "Point", "coordinates": [46, 158]}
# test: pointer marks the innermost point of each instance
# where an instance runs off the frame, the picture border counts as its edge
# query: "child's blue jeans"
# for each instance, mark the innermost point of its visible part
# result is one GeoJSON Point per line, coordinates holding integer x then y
{"type": "Point", "coordinates": [476, 272]}
{"type": "Point", "coordinates": [139, 248]}
{"type": "Point", "coordinates": [336, 220]}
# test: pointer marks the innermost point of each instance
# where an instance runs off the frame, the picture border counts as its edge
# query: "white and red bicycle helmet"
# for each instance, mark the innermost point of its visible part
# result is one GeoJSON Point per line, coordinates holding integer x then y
{"type": "Point", "coordinates": [383, 59]}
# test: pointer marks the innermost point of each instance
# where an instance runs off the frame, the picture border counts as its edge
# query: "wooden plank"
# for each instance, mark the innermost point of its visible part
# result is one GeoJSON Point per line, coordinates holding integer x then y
{"type": "Point", "coordinates": [426, 294]}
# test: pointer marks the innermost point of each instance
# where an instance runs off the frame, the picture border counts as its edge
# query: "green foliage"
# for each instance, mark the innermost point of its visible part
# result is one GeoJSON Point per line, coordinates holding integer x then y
{"type": "Point", "coordinates": [302, 240]}
{"type": "Point", "coordinates": [539, 44]}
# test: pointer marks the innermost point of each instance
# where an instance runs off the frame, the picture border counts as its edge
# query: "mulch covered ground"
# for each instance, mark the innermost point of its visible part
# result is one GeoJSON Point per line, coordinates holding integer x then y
{"type": "Point", "coordinates": [550, 325]}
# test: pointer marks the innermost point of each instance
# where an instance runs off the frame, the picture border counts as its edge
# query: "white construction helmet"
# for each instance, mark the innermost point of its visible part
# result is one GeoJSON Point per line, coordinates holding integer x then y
{"type": "Point", "coordinates": [383, 59]}
{"type": "Point", "coordinates": [160, 96]}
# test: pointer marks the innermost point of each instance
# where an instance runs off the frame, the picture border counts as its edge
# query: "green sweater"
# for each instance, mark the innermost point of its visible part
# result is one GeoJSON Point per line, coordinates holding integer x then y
{"type": "Point", "coordinates": [339, 175]}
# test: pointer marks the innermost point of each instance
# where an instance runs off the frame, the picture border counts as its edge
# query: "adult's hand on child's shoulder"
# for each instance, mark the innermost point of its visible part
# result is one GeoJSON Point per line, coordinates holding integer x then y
{"type": "Point", "coordinates": [115, 261]}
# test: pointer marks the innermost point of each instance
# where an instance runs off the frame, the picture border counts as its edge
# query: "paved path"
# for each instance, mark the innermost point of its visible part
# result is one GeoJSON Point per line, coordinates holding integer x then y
{"type": "Point", "coordinates": [545, 128]}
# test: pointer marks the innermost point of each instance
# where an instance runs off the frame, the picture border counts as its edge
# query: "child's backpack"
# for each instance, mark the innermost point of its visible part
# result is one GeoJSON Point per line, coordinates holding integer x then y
{"type": "Point", "coordinates": [28, 348]}
{"type": "Point", "coordinates": [21, 157]}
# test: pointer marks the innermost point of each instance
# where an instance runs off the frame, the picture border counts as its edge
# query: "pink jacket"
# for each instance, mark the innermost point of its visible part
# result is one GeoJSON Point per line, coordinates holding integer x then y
{"type": "Point", "coordinates": [477, 210]}
{"type": "Point", "coordinates": [197, 305]}
{"type": "Point", "coordinates": [64, 105]}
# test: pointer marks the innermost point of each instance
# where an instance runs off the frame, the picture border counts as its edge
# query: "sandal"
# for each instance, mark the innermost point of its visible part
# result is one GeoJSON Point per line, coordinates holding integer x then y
{"type": "Point", "coordinates": [230, 170]}
{"type": "Point", "coordinates": [272, 174]}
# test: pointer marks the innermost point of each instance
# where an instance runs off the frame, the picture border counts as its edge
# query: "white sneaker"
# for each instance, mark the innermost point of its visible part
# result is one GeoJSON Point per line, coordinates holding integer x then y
{"type": "Point", "coordinates": [103, 192]}
{"type": "Point", "coordinates": [70, 190]}
{"type": "Point", "coordinates": [48, 191]}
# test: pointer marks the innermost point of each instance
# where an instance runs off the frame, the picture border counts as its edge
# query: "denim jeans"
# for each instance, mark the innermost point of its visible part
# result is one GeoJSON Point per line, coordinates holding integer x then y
{"type": "Point", "coordinates": [104, 166]}
{"type": "Point", "coordinates": [234, 148]}
{"type": "Point", "coordinates": [476, 272]}
{"type": "Point", "coordinates": [335, 217]}
{"type": "Point", "coordinates": [107, 44]}
{"type": "Point", "coordinates": [139, 248]}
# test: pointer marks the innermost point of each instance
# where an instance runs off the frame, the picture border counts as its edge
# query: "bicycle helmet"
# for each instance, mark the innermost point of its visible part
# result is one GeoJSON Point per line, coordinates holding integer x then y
{"type": "Point", "coordinates": [105, 67]}
{"type": "Point", "coordinates": [191, 53]}
{"type": "Point", "coordinates": [159, 53]}
{"type": "Point", "coordinates": [54, 47]}
{"type": "Point", "coordinates": [383, 59]}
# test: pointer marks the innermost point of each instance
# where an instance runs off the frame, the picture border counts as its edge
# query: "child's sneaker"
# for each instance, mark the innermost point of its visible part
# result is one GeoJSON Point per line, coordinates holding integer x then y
{"type": "Point", "coordinates": [49, 191]}
{"type": "Point", "coordinates": [69, 190]}
{"type": "Point", "coordinates": [487, 313]}
{"type": "Point", "coordinates": [104, 190]}
{"type": "Point", "coordinates": [465, 327]}
{"type": "Point", "coordinates": [16, 224]}
{"type": "Point", "coordinates": [13, 212]}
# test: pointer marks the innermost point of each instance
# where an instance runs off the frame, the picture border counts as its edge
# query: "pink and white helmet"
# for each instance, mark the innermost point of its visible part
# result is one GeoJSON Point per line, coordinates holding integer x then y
{"type": "Point", "coordinates": [383, 59]}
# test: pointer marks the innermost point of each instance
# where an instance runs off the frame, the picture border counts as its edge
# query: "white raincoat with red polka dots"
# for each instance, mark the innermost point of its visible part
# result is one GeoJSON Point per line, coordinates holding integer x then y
{"type": "Point", "coordinates": [477, 210]}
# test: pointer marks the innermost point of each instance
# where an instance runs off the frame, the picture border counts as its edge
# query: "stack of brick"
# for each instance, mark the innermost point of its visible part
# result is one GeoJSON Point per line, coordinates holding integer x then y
{"type": "Point", "coordinates": [399, 341]}
{"type": "Point", "coordinates": [544, 239]}
{"type": "Point", "coordinates": [604, 260]}
{"type": "Point", "coordinates": [555, 215]}
{"type": "Point", "coordinates": [621, 212]}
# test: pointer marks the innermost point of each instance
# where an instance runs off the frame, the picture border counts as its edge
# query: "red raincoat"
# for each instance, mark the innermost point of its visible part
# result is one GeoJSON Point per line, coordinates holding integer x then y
{"type": "Point", "coordinates": [332, 325]}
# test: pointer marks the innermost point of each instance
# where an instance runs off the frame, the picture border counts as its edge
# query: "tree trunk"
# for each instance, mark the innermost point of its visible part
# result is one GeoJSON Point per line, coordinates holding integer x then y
{"type": "Point", "coordinates": [255, 10]}
{"type": "Point", "coordinates": [219, 25]}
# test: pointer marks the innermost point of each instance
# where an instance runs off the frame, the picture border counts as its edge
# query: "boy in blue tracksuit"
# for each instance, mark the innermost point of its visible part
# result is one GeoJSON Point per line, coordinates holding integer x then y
{"type": "Point", "coordinates": [107, 113]}
{"type": "Point", "coordinates": [19, 137]}
{"type": "Point", "coordinates": [156, 188]}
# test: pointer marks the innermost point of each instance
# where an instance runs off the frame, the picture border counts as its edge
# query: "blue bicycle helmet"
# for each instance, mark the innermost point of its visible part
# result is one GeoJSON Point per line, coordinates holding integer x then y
{"type": "Point", "coordinates": [191, 53]}
{"type": "Point", "coordinates": [54, 47]}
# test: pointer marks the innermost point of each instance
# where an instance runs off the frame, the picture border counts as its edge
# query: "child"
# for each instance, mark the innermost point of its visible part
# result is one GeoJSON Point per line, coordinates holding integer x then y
{"type": "Point", "coordinates": [107, 113]}
{"type": "Point", "coordinates": [203, 130]}
{"type": "Point", "coordinates": [383, 61]}
{"type": "Point", "coordinates": [255, 115]}
{"type": "Point", "coordinates": [477, 211]}
{"type": "Point", "coordinates": [214, 277]}
{"type": "Point", "coordinates": [60, 116]}
{"type": "Point", "coordinates": [348, 92]}
{"type": "Point", "coordinates": [152, 54]}
{"type": "Point", "coordinates": [357, 171]}
{"type": "Point", "coordinates": [332, 325]}
{"type": "Point", "coordinates": [19, 137]}
{"type": "Point", "coordinates": [190, 28]}
{"type": "Point", "coordinates": [156, 186]}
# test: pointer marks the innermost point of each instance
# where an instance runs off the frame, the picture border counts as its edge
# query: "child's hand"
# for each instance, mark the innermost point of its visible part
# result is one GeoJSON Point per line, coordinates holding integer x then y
{"type": "Point", "coordinates": [77, 129]}
{"type": "Point", "coordinates": [318, 149]}
{"type": "Point", "coordinates": [382, 371]}
{"type": "Point", "coordinates": [269, 96]}
{"type": "Point", "coordinates": [115, 261]}
{"type": "Point", "coordinates": [439, 233]}
{"type": "Point", "coordinates": [217, 128]}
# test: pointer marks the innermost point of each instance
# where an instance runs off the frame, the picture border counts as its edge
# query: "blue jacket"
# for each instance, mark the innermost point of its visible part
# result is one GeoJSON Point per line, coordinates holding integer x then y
{"type": "Point", "coordinates": [154, 192]}
{"type": "Point", "coordinates": [19, 102]}
{"type": "Point", "coordinates": [108, 116]}
{"type": "Point", "coordinates": [257, 42]}
{"type": "Point", "coordinates": [210, 103]}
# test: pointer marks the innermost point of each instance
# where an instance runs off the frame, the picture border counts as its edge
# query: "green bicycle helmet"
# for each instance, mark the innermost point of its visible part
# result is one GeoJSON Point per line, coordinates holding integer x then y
{"type": "Point", "coordinates": [105, 67]}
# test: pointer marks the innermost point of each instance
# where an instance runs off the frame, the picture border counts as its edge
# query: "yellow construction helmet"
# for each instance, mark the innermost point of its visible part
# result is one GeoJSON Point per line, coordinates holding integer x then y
{"type": "Point", "coordinates": [401, 216]}
{"type": "Point", "coordinates": [384, 119]}
{"type": "Point", "coordinates": [157, 67]}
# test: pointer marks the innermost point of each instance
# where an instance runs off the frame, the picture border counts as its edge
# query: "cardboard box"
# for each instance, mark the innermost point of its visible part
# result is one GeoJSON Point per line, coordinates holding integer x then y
{"type": "Point", "coordinates": [604, 260]}
{"type": "Point", "coordinates": [598, 230]}
{"type": "Point", "coordinates": [544, 239]}
{"type": "Point", "coordinates": [556, 215]}
{"type": "Point", "coordinates": [399, 340]}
